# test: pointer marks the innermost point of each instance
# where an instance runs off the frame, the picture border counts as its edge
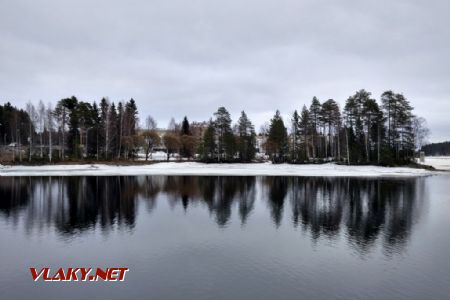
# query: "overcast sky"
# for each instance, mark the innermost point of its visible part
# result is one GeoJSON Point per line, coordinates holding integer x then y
{"type": "Point", "coordinates": [182, 57]}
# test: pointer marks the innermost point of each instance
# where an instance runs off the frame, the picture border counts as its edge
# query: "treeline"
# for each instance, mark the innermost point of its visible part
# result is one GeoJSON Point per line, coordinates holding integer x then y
{"type": "Point", "coordinates": [363, 132]}
{"type": "Point", "coordinates": [73, 129]}
{"type": "Point", "coordinates": [223, 144]}
{"type": "Point", "coordinates": [14, 126]}
{"type": "Point", "coordinates": [437, 149]}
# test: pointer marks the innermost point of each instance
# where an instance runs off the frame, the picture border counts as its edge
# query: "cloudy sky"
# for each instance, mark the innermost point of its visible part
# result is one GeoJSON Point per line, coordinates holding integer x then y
{"type": "Point", "coordinates": [179, 57]}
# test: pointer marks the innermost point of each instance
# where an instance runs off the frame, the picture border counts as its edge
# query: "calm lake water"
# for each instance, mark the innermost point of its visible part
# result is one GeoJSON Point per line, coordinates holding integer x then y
{"type": "Point", "coordinates": [228, 237]}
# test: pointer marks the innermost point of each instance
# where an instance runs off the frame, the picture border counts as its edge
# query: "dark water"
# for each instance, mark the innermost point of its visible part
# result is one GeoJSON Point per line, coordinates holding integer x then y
{"type": "Point", "coordinates": [228, 237]}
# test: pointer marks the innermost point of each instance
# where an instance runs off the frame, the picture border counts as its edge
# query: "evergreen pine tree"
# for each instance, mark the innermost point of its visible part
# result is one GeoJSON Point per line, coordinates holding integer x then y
{"type": "Point", "coordinates": [94, 144]}
{"type": "Point", "coordinates": [185, 130]}
{"type": "Point", "coordinates": [314, 111]}
{"type": "Point", "coordinates": [105, 127]}
{"type": "Point", "coordinates": [73, 137]}
{"type": "Point", "coordinates": [296, 137]}
{"type": "Point", "coordinates": [330, 118]}
{"type": "Point", "coordinates": [188, 142]}
{"type": "Point", "coordinates": [208, 147]}
{"type": "Point", "coordinates": [120, 120]}
{"type": "Point", "coordinates": [246, 139]}
{"type": "Point", "coordinates": [113, 124]}
{"type": "Point", "coordinates": [225, 139]}
{"type": "Point", "coordinates": [277, 140]}
{"type": "Point", "coordinates": [304, 129]}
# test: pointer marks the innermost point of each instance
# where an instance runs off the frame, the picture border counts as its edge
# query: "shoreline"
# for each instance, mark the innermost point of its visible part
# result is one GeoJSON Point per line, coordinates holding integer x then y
{"type": "Point", "coordinates": [211, 169]}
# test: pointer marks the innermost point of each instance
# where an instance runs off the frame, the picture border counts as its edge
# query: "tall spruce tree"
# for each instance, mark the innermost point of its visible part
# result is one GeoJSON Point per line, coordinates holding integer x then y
{"type": "Point", "coordinates": [389, 105]}
{"type": "Point", "coordinates": [355, 134]}
{"type": "Point", "coordinates": [330, 118]}
{"type": "Point", "coordinates": [295, 137]}
{"type": "Point", "coordinates": [400, 139]}
{"type": "Point", "coordinates": [405, 140]}
{"type": "Point", "coordinates": [246, 138]}
{"type": "Point", "coordinates": [120, 120]}
{"type": "Point", "coordinates": [314, 111]}
{"type": "Point", "coordinates": [304, 129]}
{"type": "Point", "coordinates": [208, 147]}
{"type": "Point", "coordinates": [94, 144]}
{"type": "Point", "coordinates": [86, 121]}
{"type": "Point", "coordinates": [105, 127]}
{"type": "Point", "coordinates": [61, 114]}
{"type": "Point", "coordinates": [131, 121]}
{"type": "Point", "coordinates": [226, 145]}
{"type": "Point", "coordinates": [277, 140]}
{"type": "Point", "coordinates": [188, 142]}
{"type": "Point", "coordinates": [372, 118]}
{"type": "Point", "coordinates": [50, 124]}
{"type": "Point", "coordinates": [67, 109]}
{"type": "Point", "coordinates": [185, 128]}
{"type": "Point", "coordinates": [114, 137]}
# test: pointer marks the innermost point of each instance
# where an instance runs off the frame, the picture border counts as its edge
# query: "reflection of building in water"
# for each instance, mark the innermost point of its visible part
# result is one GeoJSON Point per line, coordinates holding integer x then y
{"type": "Point", "coordinates": [364, 210]}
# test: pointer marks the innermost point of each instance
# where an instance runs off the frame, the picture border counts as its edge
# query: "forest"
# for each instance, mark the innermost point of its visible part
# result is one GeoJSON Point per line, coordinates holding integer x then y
{"type": "Point", "coordinates": [437, 149]}
{"type": "Point", "coordinates": [364, 131]}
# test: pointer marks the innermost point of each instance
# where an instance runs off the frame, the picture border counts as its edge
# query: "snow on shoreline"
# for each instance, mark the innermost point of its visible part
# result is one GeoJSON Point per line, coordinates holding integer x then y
{"type": "Point", "coordinates": [438, 162]}
{"type": "Point", "coordinates": [195, 168]}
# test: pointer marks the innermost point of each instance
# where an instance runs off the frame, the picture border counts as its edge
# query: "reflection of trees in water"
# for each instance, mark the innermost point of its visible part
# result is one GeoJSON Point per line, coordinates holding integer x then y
{"type": "Point", "coordinates": [74, 204]}
{"type": "Point", "coordinates": [90, 201]}
{"type": "Point", "coordinates": [389, 207]}
{"type": "Point", "coordinates": [366, 211]}
{"type": "Point", "coordinates": [277, 191]}
{"type": "Point", "coordinates": [369, 209]}
{"type": "Point", "coordinates": [181, 188]}
{"type": "Point", "coordinates": [218, 193]}
{"type": "Point", "coordinates": [247, 195]}
{"type": "Point", "coordinates": [14, 195]}
{"type": "Point", "coordinates": [317, 203]}
{"type": "Point", "coordinates": [404, 208]}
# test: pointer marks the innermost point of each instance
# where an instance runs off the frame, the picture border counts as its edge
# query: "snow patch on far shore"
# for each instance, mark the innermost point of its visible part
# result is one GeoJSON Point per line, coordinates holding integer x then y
{"type": "Point", "coordinates": [201, 169]}
{"type": "Point", "coordinates": [438, 162]}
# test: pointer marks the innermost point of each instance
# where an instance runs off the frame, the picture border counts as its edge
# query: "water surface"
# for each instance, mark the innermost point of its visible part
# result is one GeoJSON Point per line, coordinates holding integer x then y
{"type": "Point", "coordinates": [187, 237]}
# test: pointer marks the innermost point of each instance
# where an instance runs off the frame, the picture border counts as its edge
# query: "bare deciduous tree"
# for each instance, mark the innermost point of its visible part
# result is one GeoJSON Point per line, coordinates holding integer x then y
{"type": "Point", "coordinates": [50, 127]}
{"type": "Point", "coordinates": [421, 132]}
{"type": "Point", "coordinates": [41, 112]}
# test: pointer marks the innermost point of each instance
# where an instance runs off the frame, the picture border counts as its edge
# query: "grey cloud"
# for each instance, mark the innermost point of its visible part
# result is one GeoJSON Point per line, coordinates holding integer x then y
{"type": "Point", "coordinates": [188, 57]}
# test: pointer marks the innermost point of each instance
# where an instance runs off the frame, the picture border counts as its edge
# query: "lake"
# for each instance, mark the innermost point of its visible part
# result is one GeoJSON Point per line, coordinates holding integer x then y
{"type": "Point", "coordinates": [200, 237]}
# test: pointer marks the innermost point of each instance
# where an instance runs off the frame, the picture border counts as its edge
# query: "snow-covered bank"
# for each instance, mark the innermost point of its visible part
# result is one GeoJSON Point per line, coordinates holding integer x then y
{"type": "Point", "coordinates": [438, 162]}
{"type": "Point", "coordinates": [193, 168]}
